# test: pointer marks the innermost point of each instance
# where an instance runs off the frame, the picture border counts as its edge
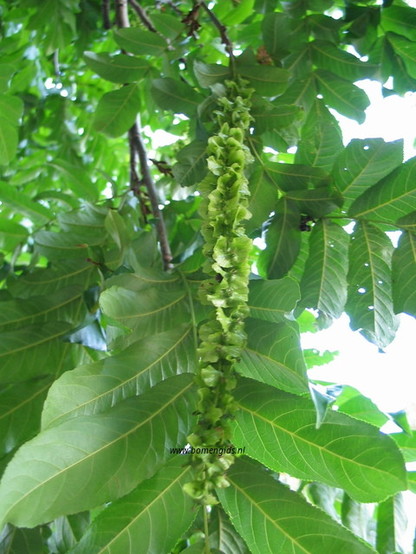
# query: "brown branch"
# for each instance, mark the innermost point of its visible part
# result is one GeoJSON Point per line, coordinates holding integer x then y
{"type": "Point", "coordinates": [136, 144]}
{"type": "Point", "coordinates": [221, 29]}
{"type": "Point", "coordinates": [142, 15]}
{"type": "Point", "coordinates": [105, 11]}
{"type": "Point", "coordinates": [136, 139]}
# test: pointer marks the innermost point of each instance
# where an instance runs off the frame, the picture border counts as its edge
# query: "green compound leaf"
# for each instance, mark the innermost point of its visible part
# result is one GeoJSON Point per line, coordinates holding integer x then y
{"type": "Point", "coordinates": [117, 69]}
{"type": "Point", "coordinates": [267, 81]}
{"type": "Point", "coordinates": [137, 41]}
{"type": "Point", "coordinates": [143, 520]}
{"type": "Point", "coordinates": [272, 518]}
{"type": "Point", "coordinates": [209, 74]}
{"type": "Point", "coordinates": [370, 303]}
{"type": "Point", "coordinates": [223, 535]}
{"type": "Point", "coordinates": [400, 20]}
{"type": "Point", "coordinates": [22, 203]}
{"type": "Point", "coordinates": [363, 163]}
{"type": "Point", "coordinates": [105, 455]}
{"type": "Point", "coordinates": [93, 388]}
{"type": "Point", "coordinates": [176, 96]}
{"type": "Point", "coordinates": [324, 282]}
{"type": "Point", "coordinates": [343, 452]}
{"type": "Point", "coordinates": [404, 274]}
{"type": "Point", "coordinates": [321, 139]}
{"type": "Point", "coordinates": [347, 66]}
{"type": "Point", "coordinates": [21, 350]}
{"type": "Point", "coordinates": [391, 198]}
{"type": "Point", "coordinates": [342, 95]}
{"type": "Point", "coordinates": [117, 110]}
{"type": "Point", "coordinates": [273, 355]}
{"type": "Point", "coordinates": [191, 164]}
{"type": "Point", "coordinates": [283, 238]}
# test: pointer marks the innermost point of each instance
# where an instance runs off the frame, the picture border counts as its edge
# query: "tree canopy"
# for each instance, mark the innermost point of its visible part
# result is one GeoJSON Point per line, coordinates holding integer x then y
{"type": "Point", "coordinates": [174, 196]}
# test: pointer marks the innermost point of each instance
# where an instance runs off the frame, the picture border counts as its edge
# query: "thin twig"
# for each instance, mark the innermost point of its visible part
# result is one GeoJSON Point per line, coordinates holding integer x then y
{"type": "Point", "coordinates": [223, 32]}
{"type": "Point", "coordinates": [153, 197]}
{"type": "Point", "coordinates": [136, 143]}
{"type": "Point", "coordinates": [135, 182]}
{"type": "Point", "coordinates": [105, 11]}
{"type": "Point", "coordinates": [142, 15]}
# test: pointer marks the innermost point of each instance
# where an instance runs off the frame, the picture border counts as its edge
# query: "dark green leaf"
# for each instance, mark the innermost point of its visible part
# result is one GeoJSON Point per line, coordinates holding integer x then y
{"type": "Point", "coordinates": [273, 355]}
{"type": "Point", "coordinates": [137, 41]}
{"type": "Point", "coordinates": [370, 304]}
{"type": "Point", "coordinates": [223, 536]}
{"type": "Point", "coordinates": [406, 49]}
{"type": "Point", "coordinates": [24, 204]}
{"type": "Point", "coordinates": [404, 274]}
{"type": "Point", "coordinates": [347, 66]}
{"type": "Point", "coordinates": [129, 524]}
{"type": "Point", "coordinates": [209, 74]}
{"type": "Point", "coordinates": [283, 241]}
{"type": "Point", "coordinates": [272, 300]}
{"type": "Point", "coordinates": [344, 452]}
{"type": "Point", "coordinates": [321, 139]}
{"type": "Point", "coordinates": [290, 177]}
{"type": "Point", "coordinates": [116, 111]}
{"type": "Point", "coordinates": [324, 282]}
{"type": "Point", "coordinates": [342, 95]}
{"type": "Point", "coordinates": [12, 234]}
{"type": "Point", "coordinates": [391, 525]}
{"type": "Point", "coordinates": [270, 516]}
{"type": "Point", "coordinates": [391, 198]}
{"type": "Point", "coordinates": [315, 203]}
{"type": "Point", "coordinates": [400, 20]}
{"type": "Point", "coordinates": [263, 197]}
{"type": "Point", "coordinates": [266, 80]}
{"type": "Point", "coordinates": [363, 163]}
{"type": "Point", "coordinates": [105, 455]}
{"type": "Point", "coordinates": [191, 167]}
{"type": "Point", "coordinates": [117, 69]}
{"type": "Point", "coordinates": [177, 96]}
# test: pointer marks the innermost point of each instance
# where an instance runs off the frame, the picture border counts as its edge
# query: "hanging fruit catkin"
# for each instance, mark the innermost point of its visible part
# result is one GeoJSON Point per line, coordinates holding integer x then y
{"type": "Point", "coordinates": [227, 248]}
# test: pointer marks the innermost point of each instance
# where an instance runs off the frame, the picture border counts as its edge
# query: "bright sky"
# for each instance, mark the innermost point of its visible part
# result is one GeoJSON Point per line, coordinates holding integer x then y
{"type": "Point", "coordinates": [390, 378]}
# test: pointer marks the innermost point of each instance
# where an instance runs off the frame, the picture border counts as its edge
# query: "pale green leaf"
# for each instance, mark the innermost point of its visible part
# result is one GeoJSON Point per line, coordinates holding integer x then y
{"type": "Point", "coordinates": [105, 455]}
{"type": "Point", "coordinates": [138, 41]}
{"type": "Point", "coordinates": [324, 282]}
{"type": "Point", "coordinates": [77, 178]}
{"type": "Point", "coordinates": [6, 72]}
{"type": "Point", "coordinates": [117, 69]}
{"type": "Point", "coordinates": [96, 387]}
{"type": "Point", "coordinates": [353, 403]}
{"type": "Point", "coordinates": [116, 111]}
{"type": "Point", "coordinates": [404, 274]}
{"type": "Point", "coordinates": [407, 445]}
{"type": "Point", "coordinates": [370, 303]}
{"type": "Point", "coordinates": [170, 27]}
{"type": "Point", "coordinates": [279, 430]}
{"type": "Point", "coordinates": [143, 520]}
{"type": "Point", "coordinates": [391, 198]}
{"type": "Point", "coordinates": [363, 163]}
{"type": "Point", "coordinates": [358, 517]}
{"type": "Point", "coordinates": [273, 355]}
{"type": "Point", "coordinates": [272, 518]}
{"type": "Point", "coordinates": [11, 109]}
